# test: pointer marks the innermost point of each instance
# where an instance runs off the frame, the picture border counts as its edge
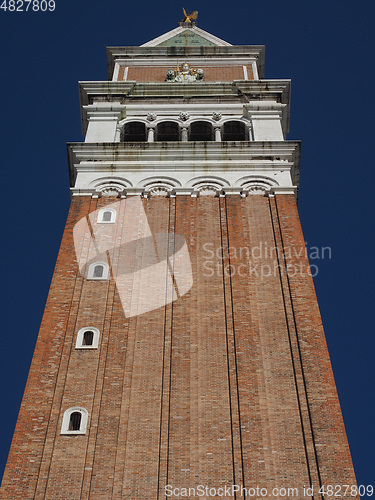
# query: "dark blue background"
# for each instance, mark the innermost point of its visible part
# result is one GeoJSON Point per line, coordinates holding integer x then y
{"type": "Point", "coordinates": [326, 48]}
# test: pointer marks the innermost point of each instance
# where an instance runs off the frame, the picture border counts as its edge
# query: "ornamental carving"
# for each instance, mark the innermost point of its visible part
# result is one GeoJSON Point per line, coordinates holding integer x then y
{"type": "Point", "coordinates": [151, 117]}
{"type": "Point", "coordinates": [216, 116]}
{"type": "Point", "coordinates": [208, 190]}
{"type": "Point", "coordinates": [257, 190]}
{"type": "Point", "coordinates": [159, 191]}
{"type": "Point", "coordinates": [110, 191]}
{"type": "Point", "coordinates": [184, 115]}
{"type": "Point", "coordinates": [258, 185]}
{"type": "Point", "coordinates": [185, 74]}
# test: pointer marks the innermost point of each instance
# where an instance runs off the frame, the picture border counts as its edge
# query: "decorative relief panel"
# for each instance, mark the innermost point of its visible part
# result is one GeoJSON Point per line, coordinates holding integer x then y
{"type": "Point", "coordinates": [210, 186]}
{"type": "Point", "coordinates": [159, 187]}
{"type": "Point", "coordinates": [159, 191]}
{"type": "Point", "coordinates": [111, 191]}
{"type": "Point", "coordinates": [106, 187]}
{"type": "Point", "coordinates": [185, 74]}
{"type": "Point", "coordinates": [257, 189]}
{"type": "Point", "coordinates": [184, 115]}
{"type": "Point", "coordinates": [180, 184]}
{"type": "Point", "coordinates": [258, 185]}
{"type": "Point", "coordinates": [209, 190]}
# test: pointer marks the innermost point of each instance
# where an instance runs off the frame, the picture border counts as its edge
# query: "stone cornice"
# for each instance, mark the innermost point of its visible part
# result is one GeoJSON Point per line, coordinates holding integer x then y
{"type": "Point", "coordinates": [238, 91]}
{"type": "Point", "coordinates": [207, 61]}
{"type": "Point", "coordinates": [256, 89]}
{"type": "Point", "coordinates": [184, 156]}
{"type": "Point", "coordinates": [252, 89]}
{"type": "Point", "coordinates": [190, 151]}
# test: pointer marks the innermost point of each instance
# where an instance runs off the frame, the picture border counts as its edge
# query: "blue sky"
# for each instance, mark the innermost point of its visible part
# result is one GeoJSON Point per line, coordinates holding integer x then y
{"type": "Point", "coordinates": [326, 48]}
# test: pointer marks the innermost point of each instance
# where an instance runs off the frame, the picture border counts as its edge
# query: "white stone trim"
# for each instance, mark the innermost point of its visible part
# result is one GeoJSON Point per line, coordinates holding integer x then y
{"type": "Point", "coordinates": [284, 190]}
{"type": "Point", "coordinates": [91, 270]}
{"type": "Point", "coordinates": [195, 182]}
{"type": "Point", "coordinates": [245, 75]}
{"type": "Point", "coordinates": [80, 334]}
{"type": "Point", "coordinates": [102, 158]}
{"type": "Point", "coordinates": [255, 70]}
{"type": "Point", "coordinates": [180, 29]}
{"type": "Point", "coordinates": [193, 60]}
{"type": "Point", "coordinates": [109, 186]}
{"type": "Point", "coordinates": [101, 120]}
{"type": "Point", "coordinates": [159, 185]}
{"type": "Point", "coordinates": [179, 191]}
{"type": "Point", "coordinates": [101, 215]}
{"type": "Point", "coordinates": [83, 192]}
{"type": "Point", "coordinates": [116, 72]}
{"type": "Point", "coordinates": [135, 191]}
{"type": "Point", "coordinates": [66, 420]}
{"type": "Point", "coordinates": [109, 180]}
{"type": "Point", "coordinates": [276, 90]}
{"type": "Point", "coordinates": [254, 179]}
{"type": "Point", "coordinates": [150, 181]}
{"type": "Point", "coordinates": [104, 110]}
{"type": "Point", "coordinates": [140, 111]}
{"type": "Point", "coordinates": [232, 191]}
{"type": "Point", "coordinates": [184, 192]}
{"type": "Point", "coordinates": [181, 163]}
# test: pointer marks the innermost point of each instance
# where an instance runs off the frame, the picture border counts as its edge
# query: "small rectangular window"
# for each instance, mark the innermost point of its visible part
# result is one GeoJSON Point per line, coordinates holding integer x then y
{"type": "Point", "coordinates": [75, 421]}
{"type": "Point", "coordinates": [88, 338]}
{"type": "Point", "coordinates": [98, 271]}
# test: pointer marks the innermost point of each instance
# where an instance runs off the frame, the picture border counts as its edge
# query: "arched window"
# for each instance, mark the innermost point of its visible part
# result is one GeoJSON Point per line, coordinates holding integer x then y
{"type": "Point", "coordinates": [234, 131]}
{"type": "Point", "coordinates": [98, 271]}
{"type": "Point", "coordinates": [74, 421]}
{"type": "Point", "coordinates": [201, 131]}
{"type": "Point", "coordinates": [134, 132]}
{"type": "Point", "coordinates": [168, 131]}
{"type": "Point", "coordinates": [88, 338]}
{"type": "Point", "coordinates": [107, 215]}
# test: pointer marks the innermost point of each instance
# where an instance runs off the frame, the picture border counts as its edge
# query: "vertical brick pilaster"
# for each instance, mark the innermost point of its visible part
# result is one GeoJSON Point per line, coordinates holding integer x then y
{"type": "Point", "coordinates": [333, 455]}
{"type": "Point", "coordinates": [29, 457]}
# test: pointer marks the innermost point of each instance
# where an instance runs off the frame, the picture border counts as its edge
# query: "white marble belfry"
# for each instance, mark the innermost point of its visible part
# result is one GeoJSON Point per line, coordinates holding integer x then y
{"type": "Point", "coordinates": [113, 162]}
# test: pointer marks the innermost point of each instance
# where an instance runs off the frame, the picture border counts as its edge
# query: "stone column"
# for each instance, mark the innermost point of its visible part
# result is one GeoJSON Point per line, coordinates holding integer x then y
{"type": "Point", "coordinates": [218, 134]}
{"type": "Point", "coordinates": [151, 134]}
{"type": "Point", "coordinates": [184, 134]}
{"type": "Point", "coordinates": [118, 134]}
{"type": "Point", "coordinates": [250, 132]}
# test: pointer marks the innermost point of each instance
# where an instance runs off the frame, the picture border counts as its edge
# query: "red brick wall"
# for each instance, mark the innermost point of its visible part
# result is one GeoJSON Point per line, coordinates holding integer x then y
{"type": "Point", "coordinates": [211, 73]}
{"type": "Point", "coordinates": [271, 418]}
{"type": "Point", "coordinates": [250, 74]}
{"type": "Point", "coordinates": [121, 73]}
{"type": "Point", "coordinates": [229, 384]}
{"type": "Point", "coordinates": [326, 424]}
{"type": "Point", "coordinates": [46, 378]}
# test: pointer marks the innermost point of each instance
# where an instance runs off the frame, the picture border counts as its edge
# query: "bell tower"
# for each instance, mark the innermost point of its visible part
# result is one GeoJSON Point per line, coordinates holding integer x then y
{"type": "Point", "coordinates": [181, 348]}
